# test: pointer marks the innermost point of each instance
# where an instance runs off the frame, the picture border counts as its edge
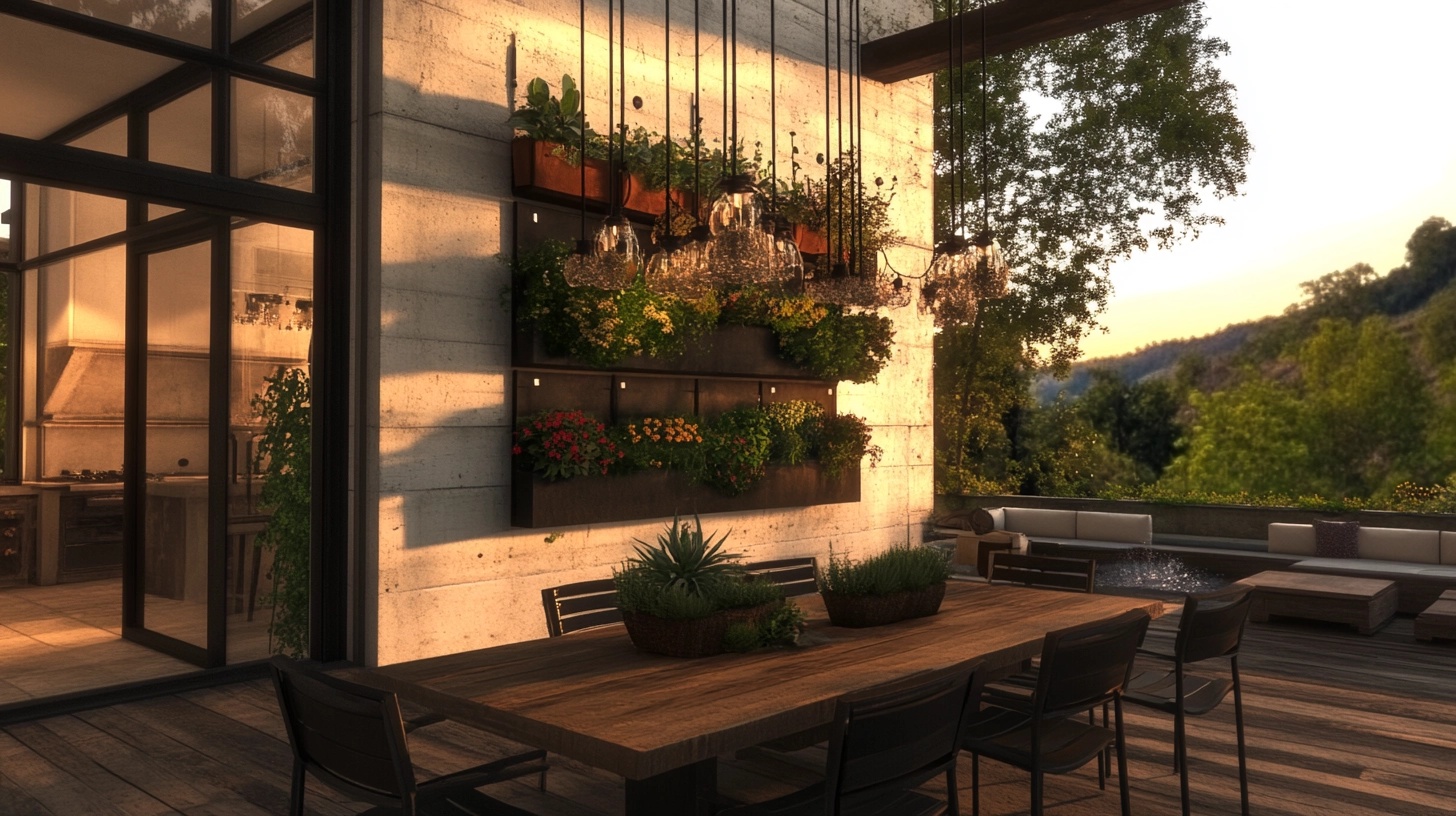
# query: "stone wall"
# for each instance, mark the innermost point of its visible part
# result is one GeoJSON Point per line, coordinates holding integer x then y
{"type": "Point", "coordinates": [444, 570]}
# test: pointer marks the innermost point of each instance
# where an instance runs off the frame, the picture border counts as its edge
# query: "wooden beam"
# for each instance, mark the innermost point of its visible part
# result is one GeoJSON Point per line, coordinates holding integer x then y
{"type": "Point", "coordinates": [1010, 24]}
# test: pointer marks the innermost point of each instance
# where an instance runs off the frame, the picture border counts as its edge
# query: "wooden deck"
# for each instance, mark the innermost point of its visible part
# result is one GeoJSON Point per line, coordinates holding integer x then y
{"type": "Point", "coordinates": [1339, 725]}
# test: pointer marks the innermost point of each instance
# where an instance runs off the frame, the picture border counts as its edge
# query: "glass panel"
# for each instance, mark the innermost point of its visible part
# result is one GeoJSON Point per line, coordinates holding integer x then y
{"type": "Point", "coordinates": [179, 133]}
{"type": "Point", "coordinates": [7, 280]}
{"type": "Point", "coordinates": [55, 77]}
{"type": "Point", "coordinates": [80, 365]}
{"type": "Point", "coordinates": [272, 136]}
{"type": "Point", "coordinates": [174, 536]}
{"type": "Point", "coordinates": [299, 59]}
{"type": "Point", "coordinates": [186, 20]}
{"type": "Point", "coordinates": [251, 15]}
{"type": "Point", "coordinates": [109, 138]}
{"type": "Point", "coordinates": [5, 216]}
{"type": "Point", "coordinates": [60, 219]}
{"type": "Point", "coordinates": [272, 308]}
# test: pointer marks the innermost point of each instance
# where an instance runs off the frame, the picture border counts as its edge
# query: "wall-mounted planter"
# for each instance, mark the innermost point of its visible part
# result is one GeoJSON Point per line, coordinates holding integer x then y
{"type": "Point", "coordinates": [536, 172]}
{"type": "Point", "coordinates": [662, 494]}
{"type": "Point", "coordinates": [810, 241]}
{"type": "Point", "coordinates": [733, 351]}
{"type": "Point", "coordinates": [640, 202]}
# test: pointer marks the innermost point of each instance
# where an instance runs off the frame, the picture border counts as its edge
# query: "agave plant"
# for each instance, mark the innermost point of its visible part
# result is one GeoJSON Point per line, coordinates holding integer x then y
{"type": "Point", "coordinates": [684, 559]}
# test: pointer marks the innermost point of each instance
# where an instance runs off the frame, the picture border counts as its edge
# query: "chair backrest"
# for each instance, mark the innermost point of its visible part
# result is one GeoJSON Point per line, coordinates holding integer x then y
{"type": "Point", "coordinates": [1085, 666]}
{"type": "Point", "coordinates": [795, 576]}
{"type": "Point", "coordinates": [1213, 624]}
{"type": "Point", "coordinates": [583, 605]}
{"type": "Point", "coordinates": [350, 737]}
{"type": "Point", "coordinates": [899, 739]}
{"type": "Point", "coordinates": [1043, 571]}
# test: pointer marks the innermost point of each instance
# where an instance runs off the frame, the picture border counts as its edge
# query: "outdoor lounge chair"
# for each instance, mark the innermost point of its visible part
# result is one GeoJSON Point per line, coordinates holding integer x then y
{"type": "Point", "coordinates": [352, 738]}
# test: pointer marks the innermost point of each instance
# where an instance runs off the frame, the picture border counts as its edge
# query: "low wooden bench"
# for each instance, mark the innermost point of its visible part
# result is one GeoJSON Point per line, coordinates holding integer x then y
{"type": "Point", "coordinates": [1365, 603]}
{"type": "Point", "coordinates": [1439, 619]}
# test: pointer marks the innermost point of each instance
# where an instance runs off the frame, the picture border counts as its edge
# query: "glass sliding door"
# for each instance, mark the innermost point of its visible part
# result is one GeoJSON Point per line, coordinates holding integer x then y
{"type": "Point", "coordinates": [172, 583]}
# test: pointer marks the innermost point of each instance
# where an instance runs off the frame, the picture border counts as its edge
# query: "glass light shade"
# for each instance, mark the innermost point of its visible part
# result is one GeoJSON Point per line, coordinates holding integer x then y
{"type": "Point", "coordinates": [671, 271]}
{"type": "Point", "coordinates": [737, 206]}
{"type": "Point", "coordinates": [740, 257]}
{"type": "Point", "coordinates": [990, 275]}
{"type": "Point", "coordinates": [584, 268]}
{"type": "Point", "coordinates": [948, 291]}
{"type": "Point", "coordinates": [788, 264]}
{"type": "Point", "coordinates": [619, 250]}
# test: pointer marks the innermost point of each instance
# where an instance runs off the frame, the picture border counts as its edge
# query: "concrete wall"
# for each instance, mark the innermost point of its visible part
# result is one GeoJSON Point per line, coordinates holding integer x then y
{"type": "Point", "coordinates": [445, 571]}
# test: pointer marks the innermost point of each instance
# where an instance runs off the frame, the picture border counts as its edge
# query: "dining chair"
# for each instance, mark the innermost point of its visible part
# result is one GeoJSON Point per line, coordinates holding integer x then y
{"type": "Point", "coordinates": [1081, 668]}
{"type": "Point", "coordinates": [351, 737]}
{"type": "Point", "coordinates": [1043, 571]}
{"type": "Point", "coordinates": [795, 576]}
{"type": "Point", "coordinates": [1211, 627]}
{"type": "Point", "coordinates": [883, 747]}
{"type": "Point", "coordinates": [582, 605]}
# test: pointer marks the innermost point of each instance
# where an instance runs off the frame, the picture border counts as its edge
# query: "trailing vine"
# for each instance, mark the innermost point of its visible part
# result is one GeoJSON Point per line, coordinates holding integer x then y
{"type": "Point", "coordinates": [284, 456]}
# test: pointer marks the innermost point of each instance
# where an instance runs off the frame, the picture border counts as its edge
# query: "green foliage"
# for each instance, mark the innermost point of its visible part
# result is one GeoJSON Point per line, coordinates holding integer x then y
{"type": "Point", "coordinates": [599, 327]}
{"type": "Point", "coordinates": [809, 202]}
{"type": "Point", "coordinates": [1250, 438]}
{"type": "Point", "coordinates": [844, 440]}
{"type": "Point", "coordinates": [736, 449]}
{"type": "Point", "coordinates": [548, 119]}
{"type": "Point", "coordinates": [685, 559]}
{"type": "Point", "coordinates": [1436, 327]}
{"type": "Point", "coordinates": [1139, 419]}
{"type": "Point", "coordinates": [781, 627]}
{"type": "Point", "coordinates": [794, 430]}
{"type": "Point", "coordinates": [562, 444]}
{"type": "Point", "coordinates": [897, 569]}
{"type": "Point", "coordinates": [284, 455]}
{"type": "Point", "coordinates": [740, 637]}
{"type": "Point", "coordinates": [671, 442]}
{"type": "Point", "coordinates": [639, 592]}
{"type": "Point", "coordinates": [842, 346]}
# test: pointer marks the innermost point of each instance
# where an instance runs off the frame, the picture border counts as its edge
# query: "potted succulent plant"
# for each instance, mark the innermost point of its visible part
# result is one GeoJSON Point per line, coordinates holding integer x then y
{"type": "Point", "coordinates": [681, 595]}
{"type": "Point", "coordinates": [545, 155]}
{"type": "Point", "coordinates": [899, 583]}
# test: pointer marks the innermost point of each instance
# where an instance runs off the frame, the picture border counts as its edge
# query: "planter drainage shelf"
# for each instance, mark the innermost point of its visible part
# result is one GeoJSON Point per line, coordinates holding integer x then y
{"type": "Point", "coordinates": [661, 494]}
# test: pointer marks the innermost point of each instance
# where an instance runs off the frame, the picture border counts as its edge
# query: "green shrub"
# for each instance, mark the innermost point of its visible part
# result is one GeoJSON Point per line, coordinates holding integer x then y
{"type": "Point", "coordinates": [897, 569]}
{"type": "Point", "coordinates": [795, 429]}
{"type": "Point", "coordinates": [842, 346]}
{"type": "Point", "coordinates": [741, 637]}
{"type": "Point", "coordinates": [843, 441]}
{"type": "Point", "coordinates": [736, 450]}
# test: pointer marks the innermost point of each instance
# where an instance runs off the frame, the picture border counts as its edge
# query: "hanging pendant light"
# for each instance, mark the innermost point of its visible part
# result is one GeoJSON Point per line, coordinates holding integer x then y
{"type": "Point", "coordinates": [583, 268]}
{"type": "Point", "coordinates": [990, 275]}
{"type": "Point", "coordinates": [695, 254]}
{"type": "Point", "coordinates": [948, 291]}
{"type": "Point", "coordinates": [618, 250]}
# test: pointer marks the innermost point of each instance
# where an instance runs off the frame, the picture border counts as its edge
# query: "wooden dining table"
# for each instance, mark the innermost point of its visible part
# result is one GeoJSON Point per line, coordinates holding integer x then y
{"type": "Point", "coordinates": [662, 722]}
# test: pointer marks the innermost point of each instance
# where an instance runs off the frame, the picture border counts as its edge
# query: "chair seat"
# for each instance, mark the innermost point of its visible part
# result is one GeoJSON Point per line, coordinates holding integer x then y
{"type": "Point", "coordinates": [810, 802]}
{"type": "Point", "coordinates": [1066, 744]}
{"type": "Point", "coordinates": [459, 801]}
{"type": "Point", "coordinates": [1159, 690]}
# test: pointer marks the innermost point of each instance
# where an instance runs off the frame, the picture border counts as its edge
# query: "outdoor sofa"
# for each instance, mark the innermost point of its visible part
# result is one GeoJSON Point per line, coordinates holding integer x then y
{"type": "Point", "coordinates": [1422, 563]}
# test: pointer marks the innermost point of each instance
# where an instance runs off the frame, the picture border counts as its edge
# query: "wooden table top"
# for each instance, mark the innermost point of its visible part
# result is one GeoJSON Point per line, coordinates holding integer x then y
{"type": "Point", "coordinates": [1318, 584]}
{"type": "Point", "coordinates": [593, 697]}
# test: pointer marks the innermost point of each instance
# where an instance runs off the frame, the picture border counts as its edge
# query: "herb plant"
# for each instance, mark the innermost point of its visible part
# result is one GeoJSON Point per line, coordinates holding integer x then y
{"type": "Point", "coordinates": [685, 559]}
{"type": "Point", "coordinates": [546, 118]}
{"type": "Point", "coordinates": [898, 569]}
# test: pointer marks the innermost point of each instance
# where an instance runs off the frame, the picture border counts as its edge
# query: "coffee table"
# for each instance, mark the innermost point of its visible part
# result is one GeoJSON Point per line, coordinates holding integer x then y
{"type": "Point", "coordinates": [1439, 619]}
{"type": "Point", "coordinates": [1365, 603]}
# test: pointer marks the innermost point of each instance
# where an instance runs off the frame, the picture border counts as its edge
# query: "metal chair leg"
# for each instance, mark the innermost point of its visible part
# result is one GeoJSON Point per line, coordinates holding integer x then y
{"type": "Point", "coordinates": [1122, 759]}
{"type": "Point", "coordinates": [1239, 728]}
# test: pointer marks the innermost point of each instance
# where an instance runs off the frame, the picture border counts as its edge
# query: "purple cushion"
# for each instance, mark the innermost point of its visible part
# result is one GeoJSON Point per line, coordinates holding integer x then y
{"type": "Point", "coordinates": [1337, 539]}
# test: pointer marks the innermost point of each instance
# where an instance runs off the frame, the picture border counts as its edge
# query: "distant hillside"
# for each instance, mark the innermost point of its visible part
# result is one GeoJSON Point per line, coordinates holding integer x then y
{"type": "Point", "coordinates": [1156, 360]}
{"type": "Point", "coordinates": [1352, 293]}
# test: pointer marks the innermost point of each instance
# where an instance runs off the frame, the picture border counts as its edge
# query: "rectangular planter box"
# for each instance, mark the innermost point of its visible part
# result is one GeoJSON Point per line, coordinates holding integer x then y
{"type": "Point", "coordinates": [537, 173]}
{"type": "Point", "coordinates": [640, 202]}
{"type": "Point", "coordinates": [662, 493]}
{"type": "Point", "coordinates": [735, 351]}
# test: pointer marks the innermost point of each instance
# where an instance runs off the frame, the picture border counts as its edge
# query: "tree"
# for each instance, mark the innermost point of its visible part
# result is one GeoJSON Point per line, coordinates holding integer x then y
{"type": "Point", "coordinates": [1142, 126]}
{"type": "Point", "coordinates": [1250, 438]}
{"type": "Point", "coordinates": [1138, 419]}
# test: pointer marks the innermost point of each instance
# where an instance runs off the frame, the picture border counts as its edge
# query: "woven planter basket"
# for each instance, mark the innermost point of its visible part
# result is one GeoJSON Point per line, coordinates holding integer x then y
{"type": "Point", "coordinates": [699, 637]}
{"type": "Point", "coordinates": [859, 611]}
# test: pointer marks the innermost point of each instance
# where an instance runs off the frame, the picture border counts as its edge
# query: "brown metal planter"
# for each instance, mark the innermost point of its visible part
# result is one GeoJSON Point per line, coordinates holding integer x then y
{"type": "Point", "coordinates": [860, 611]}
{"type": "Point", "coordinates": [640, 202]}
{"type": "Point", "coordinates": [537, 173]}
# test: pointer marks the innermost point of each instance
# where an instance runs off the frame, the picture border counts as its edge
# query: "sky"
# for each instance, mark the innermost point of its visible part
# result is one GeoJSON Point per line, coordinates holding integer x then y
{"type": "Point", "coordinates": [1350, 111]}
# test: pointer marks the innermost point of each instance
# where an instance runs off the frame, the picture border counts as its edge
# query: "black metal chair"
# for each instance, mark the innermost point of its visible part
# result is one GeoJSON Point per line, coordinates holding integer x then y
{"type": "Point", "coordinates": [1043, 571]}
{"type": "Point", "coordinates": [885, 746]}
{"type": "Point", "coordinates": [1081, 668]}
{"type": "Point", "coordinates": [352, 738]}
{"type": "Point", "coordinates": [1212, 626]}
{"type": "Point", "coordinates": [795, 576]}
{"type": "Point", "coordinates": [582, 605]}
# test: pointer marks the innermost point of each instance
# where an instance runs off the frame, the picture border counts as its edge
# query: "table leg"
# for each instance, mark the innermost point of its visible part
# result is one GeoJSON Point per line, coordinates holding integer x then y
{"type": "Point", "coordinates": [687, 791]}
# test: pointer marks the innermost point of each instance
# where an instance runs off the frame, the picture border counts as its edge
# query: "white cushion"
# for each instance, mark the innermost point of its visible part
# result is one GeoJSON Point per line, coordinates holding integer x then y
{"type": "Point", "coordinates": [1291, 539]}
{"type": "Point", "coordinates": [1400, 544]}
{"type": "Point", "coordinates": [1037, 522]}
{"type": "Point", "coordinates": [1448, 547]}
{"type": "Point", "coordinates": [998, 517]}
{"type": "Point", "coordinates": [1133, 528]}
